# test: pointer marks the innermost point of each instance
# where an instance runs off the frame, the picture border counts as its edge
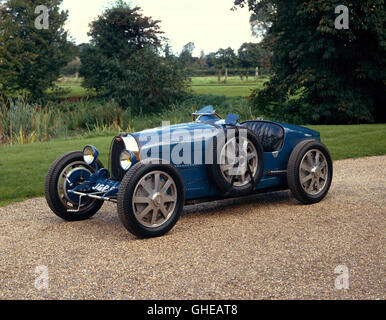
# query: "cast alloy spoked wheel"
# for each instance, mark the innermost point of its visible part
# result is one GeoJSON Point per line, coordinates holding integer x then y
{"type": "Point", "coordinates": [313, 173]}
{"type": "Point", "coordinates": [237, 157]}
{"type": "Point", "coordinates": [154, 199]}
{"type": "Point", "coordinates": [150, 198]}
{"type": "Point", "coordinates": [309, 172]}
{"type": "Point", "coordinates": [81, 171]}
{"type": "Point", "coordinates": [238, 162]}
{"type": "Point", "coordinates": [67, 172]}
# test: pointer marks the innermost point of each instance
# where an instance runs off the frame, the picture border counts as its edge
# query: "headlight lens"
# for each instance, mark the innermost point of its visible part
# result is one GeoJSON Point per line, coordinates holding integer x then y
{"type": "Point", "coordinates": [127, 159]}
{"type": "Point", "coordinates": [90, 154]}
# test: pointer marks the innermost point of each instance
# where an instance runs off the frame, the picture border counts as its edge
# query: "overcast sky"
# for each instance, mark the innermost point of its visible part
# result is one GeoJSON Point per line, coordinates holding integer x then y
{"type": "Point", "coordinates": [210, 24]}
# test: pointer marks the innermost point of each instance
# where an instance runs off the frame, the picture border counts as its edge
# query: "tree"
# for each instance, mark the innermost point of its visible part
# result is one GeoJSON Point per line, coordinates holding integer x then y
{"type": "Point", "coordinates": [211, 59]}
{"type": "Point", "coordinates": [31, 58]}
{"type": "Point", "coordinates": [124, 60]}
{"type": "Point", "coordinates": [336, 75]}
{"type": "Point", "coordinates": [202, 59]}
{"type": "Point", "coordinates": [252, 55]}
{"type": "Point", "coordinates": [186, 55]}
{"type": "Point", "coordinates": [226, 58]}
{"type": "Point", "coordinates": [72, 68]}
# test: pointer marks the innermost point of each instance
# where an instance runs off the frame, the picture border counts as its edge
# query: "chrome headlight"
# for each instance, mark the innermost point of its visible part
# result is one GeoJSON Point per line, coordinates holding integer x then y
{"type": "Point", "coordinates": [90, 154]}
{"type": "Point", "coordinates": [127, 159]}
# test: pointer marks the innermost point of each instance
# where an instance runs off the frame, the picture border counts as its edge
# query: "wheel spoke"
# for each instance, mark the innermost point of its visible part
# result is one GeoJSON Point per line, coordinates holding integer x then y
{"type": "Point", "coordinates": [311, 186]}
{"type": "Point", "coordinates": [142, 214]}
{"type": "Point", "coordinates": [317, 158]}
{"type": "Point", "coordinates": [156, 182]}
{"type": "Point", "coordinates": [141, 200]}
{"type": "Point", "coordinates": [168, 198]}
{"type": "Point", "coordinates": [305, 167]}
{"type": "Point", "coordinates": [154, 216]}
{"type": "Point", "coordinates": [244, 149]}
{"type": "Point", "coordinates": [230, 155]}
{"type": "Point", "coordinates": [323, 165]}
{"type": "Point", "coordinates": [164, 212]}
{"type": "Point", "coordinates": [317, 184]}
{"type": "Point", "coordinates": [145, 185]}
{"type": "Point", "coordinates": [227, 167]}
{"type": "Point", "coordinates": [309, 160]}
{"type": "Point", "coordinates": [252, 156]}
{"type": "Point", "coordinates": [166, 186]}
{"type": "Point", "coordinates": [306, 178]}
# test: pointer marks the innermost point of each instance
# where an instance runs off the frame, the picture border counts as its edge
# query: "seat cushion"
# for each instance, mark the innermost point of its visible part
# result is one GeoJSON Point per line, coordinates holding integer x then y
{"type": "Point", "coordinates": [270, 135]}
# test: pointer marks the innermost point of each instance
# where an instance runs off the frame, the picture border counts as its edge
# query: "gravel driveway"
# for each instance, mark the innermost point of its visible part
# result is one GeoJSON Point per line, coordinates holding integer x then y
{"type": "Point", "coordinates": [262, 247]}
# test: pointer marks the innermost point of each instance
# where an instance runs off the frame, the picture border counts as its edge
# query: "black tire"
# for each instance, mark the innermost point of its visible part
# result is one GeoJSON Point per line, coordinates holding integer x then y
{"type": "Point", "coordinates": [293, 170]}
{"type": "Point", "coordinates": [217, 176]}
{"type": "Point", "coordinates": [51, 190]}
{"type": "Point", "coordinates": [125, 199]}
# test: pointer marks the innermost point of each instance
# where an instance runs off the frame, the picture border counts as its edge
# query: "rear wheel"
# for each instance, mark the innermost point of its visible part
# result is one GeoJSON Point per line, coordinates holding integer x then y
{"type": "Point", "coordinates": [150, 199]}
{"type": "Point", "coordinates": [239, 163]}
{"type": "Point", "coordinates": [66, 173]}
{"type": "Point", "coordinates": [310, 171]}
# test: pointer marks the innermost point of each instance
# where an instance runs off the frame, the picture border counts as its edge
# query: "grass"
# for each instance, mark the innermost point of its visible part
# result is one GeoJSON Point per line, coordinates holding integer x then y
{"type": "Point", "coordinates": [23, 167]}
{"type": "Point", "coordinates": [353, 141]}
{"type": "Point", "coordinates": [234, 87]}
{"type": "Point", "coordinates": [228, 91]}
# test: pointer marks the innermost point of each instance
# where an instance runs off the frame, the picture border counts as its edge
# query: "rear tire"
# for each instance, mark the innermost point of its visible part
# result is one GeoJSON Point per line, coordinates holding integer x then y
{"type": "Point", "coordinates": [58, 203]}
{"type": "Point", "coordinates": [310, 171]}
{"type": "Point", "coordinates": [150, 199]}
{"type": "Point", "coordinates": [222, 155]}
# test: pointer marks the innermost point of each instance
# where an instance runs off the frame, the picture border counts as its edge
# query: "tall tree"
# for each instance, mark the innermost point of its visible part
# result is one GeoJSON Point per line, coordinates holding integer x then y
{"type": "Point", "coordinates": [31, 58]}
{"type": "Point", "coordinates": [225, 59]}
{"type": "Point", "coordinates": [202, 59]}
{"type": "Point", "coordinates": [186, 55]}
{"type": "Point", "coordinates": [338, 73]}
{"type": "Point", "coordinates": [124, 60]}
{"type": "Point", "coordinates": [211, 59]}
{"type": "Point", "coordinates": [252, 55]}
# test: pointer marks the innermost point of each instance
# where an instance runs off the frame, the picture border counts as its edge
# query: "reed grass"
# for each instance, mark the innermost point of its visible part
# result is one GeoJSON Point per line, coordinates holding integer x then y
{"type": "Point", "coordinates": [24, 123]}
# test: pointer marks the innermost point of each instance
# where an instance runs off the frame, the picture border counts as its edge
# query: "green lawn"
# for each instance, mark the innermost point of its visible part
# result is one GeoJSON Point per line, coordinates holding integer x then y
{"type": "Point", "coordinates": [23, 167]}
{"type": "Point", "coordinates": [228, 91]}
{"type": "Point", "coordinates": [234, 87]}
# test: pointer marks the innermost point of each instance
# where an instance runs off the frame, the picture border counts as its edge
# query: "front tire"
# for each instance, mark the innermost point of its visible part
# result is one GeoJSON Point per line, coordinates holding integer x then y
{"type": "Point", "coordinates": [61, 203]}
{"type": "Point", "coordinates": [150, 199]}
{"type": "Point", "coordinates": [310, 171]}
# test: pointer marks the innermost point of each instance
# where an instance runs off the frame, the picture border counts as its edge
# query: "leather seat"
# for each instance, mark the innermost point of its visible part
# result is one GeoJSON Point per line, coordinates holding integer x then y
{"type": "Point", "coordinates": [270, 135]}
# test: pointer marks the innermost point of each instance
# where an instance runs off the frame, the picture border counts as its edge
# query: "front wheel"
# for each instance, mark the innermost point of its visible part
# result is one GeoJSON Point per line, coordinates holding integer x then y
{"type": "Point", "coordinates": [150, 199]}
{"type": "Point", "coordinates": [309, 173]}
{"type": "Point", "coordinates": [65, 173]}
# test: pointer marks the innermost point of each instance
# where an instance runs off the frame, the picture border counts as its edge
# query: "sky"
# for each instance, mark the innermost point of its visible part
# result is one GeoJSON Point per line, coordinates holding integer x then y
{"type": "Point", "coordinates": [210, 24]}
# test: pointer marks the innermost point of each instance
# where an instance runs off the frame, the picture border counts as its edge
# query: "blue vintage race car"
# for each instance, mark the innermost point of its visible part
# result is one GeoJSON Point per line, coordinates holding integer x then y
{"type": "Point", "coordinates": [153, 173]}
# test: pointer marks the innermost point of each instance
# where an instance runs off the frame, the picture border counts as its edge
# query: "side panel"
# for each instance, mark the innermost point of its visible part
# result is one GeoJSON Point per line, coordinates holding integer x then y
{"type": "Point", "coordinates": [196, 179]}
{"type": "Point", "coordinates": [198, 184]}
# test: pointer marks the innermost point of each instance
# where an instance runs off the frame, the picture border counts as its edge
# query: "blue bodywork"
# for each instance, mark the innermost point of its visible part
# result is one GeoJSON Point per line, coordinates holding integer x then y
{"type": "Point", "coordinates": [195, 177]}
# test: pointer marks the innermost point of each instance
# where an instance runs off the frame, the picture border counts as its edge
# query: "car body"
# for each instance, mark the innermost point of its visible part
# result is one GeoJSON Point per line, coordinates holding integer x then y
{"type": "Point", "coordinates": [209, 158]}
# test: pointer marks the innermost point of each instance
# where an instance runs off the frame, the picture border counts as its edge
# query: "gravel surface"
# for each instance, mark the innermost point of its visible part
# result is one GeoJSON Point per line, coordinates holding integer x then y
{"type": "Point", "coordinates": [262, 247]}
